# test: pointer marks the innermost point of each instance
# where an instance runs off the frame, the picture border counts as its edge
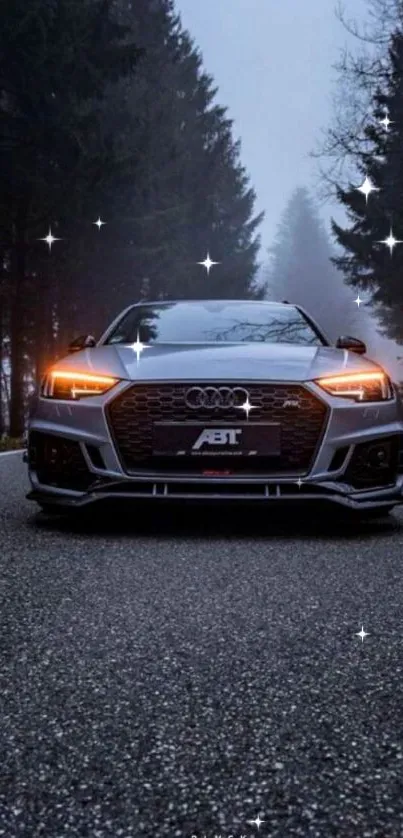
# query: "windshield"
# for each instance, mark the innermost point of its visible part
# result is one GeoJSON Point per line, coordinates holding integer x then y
{"type": "Point", "coordinates": [239, 322]}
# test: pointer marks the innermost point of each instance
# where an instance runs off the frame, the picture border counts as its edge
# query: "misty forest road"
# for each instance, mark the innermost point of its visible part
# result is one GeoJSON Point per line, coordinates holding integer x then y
{"type": "Point", "coordinates": [182, 676]}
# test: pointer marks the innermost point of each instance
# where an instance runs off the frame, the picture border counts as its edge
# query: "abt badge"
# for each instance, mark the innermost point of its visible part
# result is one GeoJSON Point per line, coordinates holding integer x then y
{"type": "Point", "coordinates": [217, 436]}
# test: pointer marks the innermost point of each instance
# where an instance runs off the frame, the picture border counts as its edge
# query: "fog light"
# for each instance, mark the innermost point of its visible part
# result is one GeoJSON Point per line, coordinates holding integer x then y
{"type": "Point", "coordinates": [378, 456]}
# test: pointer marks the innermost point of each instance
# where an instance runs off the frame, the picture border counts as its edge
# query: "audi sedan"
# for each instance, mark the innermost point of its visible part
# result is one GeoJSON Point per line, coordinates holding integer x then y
{"type": "Point", "coordinates": [221, 400]}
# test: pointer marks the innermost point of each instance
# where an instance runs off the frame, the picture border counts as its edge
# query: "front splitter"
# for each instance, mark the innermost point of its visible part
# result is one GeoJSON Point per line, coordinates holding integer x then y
{"type": "Point", "coordinates": [218, 490]}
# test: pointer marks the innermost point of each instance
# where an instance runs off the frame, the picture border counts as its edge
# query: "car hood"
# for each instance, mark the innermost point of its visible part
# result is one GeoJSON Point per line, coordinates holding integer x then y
{"type": "Point", "coordinates": [216, 362]}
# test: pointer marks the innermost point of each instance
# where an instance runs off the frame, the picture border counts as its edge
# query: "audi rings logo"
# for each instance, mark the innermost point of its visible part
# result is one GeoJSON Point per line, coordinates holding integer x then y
{"type": "Point", "coordinates": [217, 398]}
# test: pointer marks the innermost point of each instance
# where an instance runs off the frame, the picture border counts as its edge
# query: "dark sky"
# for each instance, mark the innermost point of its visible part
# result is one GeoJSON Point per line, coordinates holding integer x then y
{"type": "Point", "coordinates": [272, 62]}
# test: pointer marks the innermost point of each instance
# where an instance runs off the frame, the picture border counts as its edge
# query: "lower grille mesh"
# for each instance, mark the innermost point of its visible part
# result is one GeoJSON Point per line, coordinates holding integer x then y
{"type": "Point", "coordinates": [58, 461]}
{"type": "Point", "coordinates": [362, 475]}
{"type": "Point", "coordinates": [132, 413]}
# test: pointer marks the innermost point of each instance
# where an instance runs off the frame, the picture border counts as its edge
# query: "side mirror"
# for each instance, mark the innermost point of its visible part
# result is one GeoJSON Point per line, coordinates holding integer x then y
{"type": "Point", "coordinates": [351, 344]}
{"type": "Point", "coordinates": [82, 342]}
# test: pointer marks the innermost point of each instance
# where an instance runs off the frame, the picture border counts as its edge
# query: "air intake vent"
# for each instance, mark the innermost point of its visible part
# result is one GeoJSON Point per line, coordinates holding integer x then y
{"type": "Point", "coordinates": [58, 461]}
{"type": "Point", "coordinates": [95, 456]}
{"type": "Point", "coordinates": [373, 464]}
{"type": "Point", "coordinates": [338, 458]}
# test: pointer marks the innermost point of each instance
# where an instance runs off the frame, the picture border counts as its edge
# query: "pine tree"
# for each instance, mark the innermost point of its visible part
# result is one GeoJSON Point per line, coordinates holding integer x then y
{"type": "Point", "coordinates": [367, 262]}
{"type": "Point", "coordinates": [55, 62]}
{"type": "Point", "coordinates": [122, 125]}
{"type": "Point", "coordinates": [301, 271]}
{"type": "Point", "coordinates": [190, 195]}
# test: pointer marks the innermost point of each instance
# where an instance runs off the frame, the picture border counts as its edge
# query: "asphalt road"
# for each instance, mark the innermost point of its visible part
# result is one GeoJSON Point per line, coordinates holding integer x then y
{"type": "Point", "coordinates": [182, 673]}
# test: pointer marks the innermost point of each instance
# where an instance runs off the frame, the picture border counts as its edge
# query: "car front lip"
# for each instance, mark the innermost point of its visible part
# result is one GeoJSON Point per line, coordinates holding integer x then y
{"type": "Point", "coordinates": [170, 488]}
{"type": "Point", "coordinates": [347, 425]}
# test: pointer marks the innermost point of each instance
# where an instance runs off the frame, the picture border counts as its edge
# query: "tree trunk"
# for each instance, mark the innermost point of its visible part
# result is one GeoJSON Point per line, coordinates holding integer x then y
{"type": "Point", "coordinates": [45, 349]}
{"type": "Point", "coordinates": [17, 335]}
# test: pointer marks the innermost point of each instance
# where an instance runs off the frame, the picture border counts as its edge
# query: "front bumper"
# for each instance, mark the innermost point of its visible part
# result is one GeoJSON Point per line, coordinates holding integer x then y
{"type": "Point", "coordinates": [102, 477]}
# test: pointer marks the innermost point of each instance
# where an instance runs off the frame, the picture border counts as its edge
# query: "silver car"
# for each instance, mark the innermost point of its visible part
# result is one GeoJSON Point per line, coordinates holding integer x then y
{"type": "Point", "coordinates": [216, 400]}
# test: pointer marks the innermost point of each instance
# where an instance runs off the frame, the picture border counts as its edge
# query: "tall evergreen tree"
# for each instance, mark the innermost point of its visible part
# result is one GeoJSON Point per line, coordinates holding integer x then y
{"type": "Point", "coordinates": [148, 151]}
{"type": "Point", "coordinates": [183, 190]}
{"type": "Point", "coordinates": [191, 194]}
{"type": "Point", "coordinates": [301, 271]}
{"type": "Point", "coordinates": [368, 263]}
{"type": "Point", "coordinates": [56, 58]}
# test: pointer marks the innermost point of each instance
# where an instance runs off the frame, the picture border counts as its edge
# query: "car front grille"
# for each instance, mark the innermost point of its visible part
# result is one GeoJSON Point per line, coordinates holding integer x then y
{"type": "Point", "coordinates": [132, 413]}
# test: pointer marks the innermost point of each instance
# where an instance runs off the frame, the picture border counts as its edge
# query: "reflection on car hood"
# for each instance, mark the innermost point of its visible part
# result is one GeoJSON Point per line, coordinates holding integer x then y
{"type": "Point", "coordinates": [217, 362]}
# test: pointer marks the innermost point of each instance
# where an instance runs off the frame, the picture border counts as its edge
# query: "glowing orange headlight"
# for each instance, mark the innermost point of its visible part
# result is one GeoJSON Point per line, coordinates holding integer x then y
{"type": "Point", "coordinates": [63, 384]}
{"type": "Point", "coordinates": [360, 386]}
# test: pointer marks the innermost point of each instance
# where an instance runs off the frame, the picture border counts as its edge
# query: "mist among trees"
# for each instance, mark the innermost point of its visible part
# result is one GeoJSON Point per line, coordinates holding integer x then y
{"type": "Point", "coordinates": [300, 268]}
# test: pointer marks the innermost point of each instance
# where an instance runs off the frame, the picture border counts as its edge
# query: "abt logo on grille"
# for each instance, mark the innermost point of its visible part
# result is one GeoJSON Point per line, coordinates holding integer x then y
{"type": "Point", "coordinates": [217, 436]}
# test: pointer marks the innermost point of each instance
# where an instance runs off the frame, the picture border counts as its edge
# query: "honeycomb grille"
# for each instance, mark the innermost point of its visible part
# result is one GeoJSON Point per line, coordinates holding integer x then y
{"type": "Point", "coordinates": [132, 413]}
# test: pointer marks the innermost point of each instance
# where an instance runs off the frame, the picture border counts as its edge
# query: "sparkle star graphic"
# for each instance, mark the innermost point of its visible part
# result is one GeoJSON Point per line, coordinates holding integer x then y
{"type": "Point", "coordinates": [49, 239]}
{"type": "Point", "coordinates": [299, 482]}
{"type": "Point", "coordinates": [358, 300]}
{"type": "Point", "coordinates": [366, 188]}
{"type": "Point", "coordinates": [256, 822]}
{"type": "Point", "coordinates": [362, 634]}
{"type": "Point", "coordinates": [208, 263]}
{"type": "Point", "coordinates": [386, 122]}
{"type": "Point", "coordinates": [390, 242]}
{"type": "Point", "coordinates": [99, 223]}
{"type": "Point", "coordinates": [138, 347]}
{"type": "Point", "coordinates": [247, 407]}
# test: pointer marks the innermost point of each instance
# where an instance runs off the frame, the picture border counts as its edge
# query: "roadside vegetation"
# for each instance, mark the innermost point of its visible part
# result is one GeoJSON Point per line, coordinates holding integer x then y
{"type": "Point", "coordinates": [8, 443]}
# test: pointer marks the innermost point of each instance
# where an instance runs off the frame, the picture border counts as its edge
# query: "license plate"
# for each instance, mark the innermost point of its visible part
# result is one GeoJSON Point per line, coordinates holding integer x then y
{"type": "Point", "coordinates": [195, 439]}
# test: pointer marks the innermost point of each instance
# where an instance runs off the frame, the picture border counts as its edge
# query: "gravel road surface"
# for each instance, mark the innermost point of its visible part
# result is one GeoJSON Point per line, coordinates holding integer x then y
{"type": "Point", "coordinates": [174, 672]}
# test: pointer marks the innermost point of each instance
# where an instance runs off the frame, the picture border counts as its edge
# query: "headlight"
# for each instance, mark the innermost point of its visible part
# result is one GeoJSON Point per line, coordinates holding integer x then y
{"type": "Point", "coordinates": [360, 386]}
{"type": "Point", "coordinates": [59, 384]}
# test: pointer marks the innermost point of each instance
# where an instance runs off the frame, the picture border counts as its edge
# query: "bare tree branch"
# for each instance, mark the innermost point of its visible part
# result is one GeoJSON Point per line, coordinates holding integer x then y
{"type": "Point", "coordinates": [359, 77]}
